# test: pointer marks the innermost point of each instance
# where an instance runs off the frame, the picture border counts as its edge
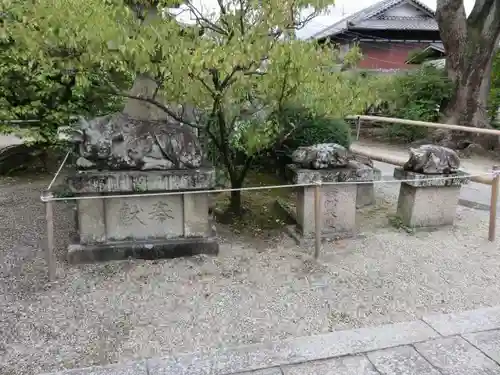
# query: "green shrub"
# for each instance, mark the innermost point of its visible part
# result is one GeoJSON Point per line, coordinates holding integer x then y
{"type": "Point", "coordinates": [302, 128]}
{"type": "Point", "coordinates": [311, 129]}
{"type": "Point", "coordinates": [416, 95]}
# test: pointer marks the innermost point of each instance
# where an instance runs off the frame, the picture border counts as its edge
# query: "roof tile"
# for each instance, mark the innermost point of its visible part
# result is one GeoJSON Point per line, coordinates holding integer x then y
{"type": "Point", "coordinates": [365, 15]}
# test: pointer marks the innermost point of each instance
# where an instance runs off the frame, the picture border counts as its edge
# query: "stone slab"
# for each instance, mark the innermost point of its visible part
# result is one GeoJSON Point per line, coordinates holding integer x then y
{"type": "Point", "coordinates": [365, 195]}
{"type": "Point", "coordinates": [292, 351]}
{"type": "Point", "coordinates": [455, 356]}
{"type": "Point", "coordinates": [91, 182]}
{"type": "Point", "coordinates": [353, 365]}
{"type": "Point", "coordinates": [91, 220]}
{"type": "Point", "coordinates": [403, 360]}
{"type": "Point", "coordinates": [421, 180]}
{"type": "Point", "coordinates": [465, 322]}
{"type": "Point", "coordinates": [136, 368]}
{"type": "Point", "coordinates": [310, 176]}
{"type": "Point", "coordinates": [488, 342]}
{"type": "Point", "coordinates": [144, 218]}
{"type": "Point", "coordinates": [431, 206]}
{"type": "Point", "coordinates": [338, 210]}
{"type": "Point", "coordinates": [267, 371]}
{"type": "Point", "coordinates": [366, 192]}
{"type": "Point", "coordinates": [159, 249]}
{"type": "Point", "coordinates": [196, 218]}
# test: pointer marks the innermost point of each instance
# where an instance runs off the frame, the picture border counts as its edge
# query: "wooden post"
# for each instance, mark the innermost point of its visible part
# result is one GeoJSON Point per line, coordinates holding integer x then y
{"type": "Point", "coordinates": [49, 251]}
{"type": "Point", "coordinates": [493, 204]}
{"type": "Point", "coordinates": [317, 218]}
{"type": "Point", "coordinates": [358, 128]}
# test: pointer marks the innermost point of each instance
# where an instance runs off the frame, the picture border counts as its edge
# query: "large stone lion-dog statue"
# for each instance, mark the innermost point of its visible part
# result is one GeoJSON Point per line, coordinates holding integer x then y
{"type": "Point", "coordinates": [120, 142]}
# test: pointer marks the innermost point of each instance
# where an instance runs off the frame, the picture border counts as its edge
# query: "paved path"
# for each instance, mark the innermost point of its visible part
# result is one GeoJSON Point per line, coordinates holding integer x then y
{"type": "Point", "coordinates": [442, 344]}
{"type": "Point", "coordinates": [9, 140]}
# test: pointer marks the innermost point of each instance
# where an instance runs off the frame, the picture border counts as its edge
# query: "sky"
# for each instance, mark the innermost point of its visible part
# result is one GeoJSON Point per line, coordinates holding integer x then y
{"type": "Point", "coordinates": [342, 8]}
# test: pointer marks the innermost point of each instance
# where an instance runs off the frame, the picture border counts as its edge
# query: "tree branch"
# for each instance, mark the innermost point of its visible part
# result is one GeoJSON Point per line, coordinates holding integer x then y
{"type": "Point", "coordinates": [205, 22]}
{"type": "Point", "coordinates": [226, 82]}
{"type": "Point", "coordinates": [156, 103]}
{"type": "Point", "coordinates": [285, 82]}
{"type": "Point", "coordinates": [242, 15]}
{"type": "Point", "coordinates": [223, 13]}
{"type": "Point", "coordinates": [480, 11]}
{"type": "Point", "coordinates": [207, 87]}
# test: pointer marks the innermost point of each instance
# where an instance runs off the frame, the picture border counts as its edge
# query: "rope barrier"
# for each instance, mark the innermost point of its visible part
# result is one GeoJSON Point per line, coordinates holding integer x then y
{"type": "Point", "coordinates": [48, 198]}
{"type": "Point", "coordinates": [255, 188]}
{"type": "Point", "coordinates": [58, 171]}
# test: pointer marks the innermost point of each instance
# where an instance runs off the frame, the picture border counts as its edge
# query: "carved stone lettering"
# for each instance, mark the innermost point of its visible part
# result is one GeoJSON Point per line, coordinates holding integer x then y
{"type": "Point", "coordinates": [161, 212]}
{"type": "Point", "coordinates": [129, 214]}
{"type": "Point", "coordinates": [329, 211]}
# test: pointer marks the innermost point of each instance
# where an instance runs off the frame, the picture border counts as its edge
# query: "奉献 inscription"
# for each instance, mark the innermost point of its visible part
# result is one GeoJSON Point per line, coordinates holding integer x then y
{"type": "Point", "coordinates": [161, 212]}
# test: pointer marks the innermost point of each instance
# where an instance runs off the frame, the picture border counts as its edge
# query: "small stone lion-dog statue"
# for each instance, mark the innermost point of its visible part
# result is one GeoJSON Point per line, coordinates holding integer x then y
{"type": "Point", "coordinates": [321, 156]}
{"type": "Point", "coordinates": [120, 142]}
{"type": "Point", "coordinates": [432, 159]}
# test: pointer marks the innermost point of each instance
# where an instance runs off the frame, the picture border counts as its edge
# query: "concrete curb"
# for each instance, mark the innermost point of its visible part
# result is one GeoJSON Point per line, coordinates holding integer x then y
{"type": "Point", "coordinates": [270, 356]}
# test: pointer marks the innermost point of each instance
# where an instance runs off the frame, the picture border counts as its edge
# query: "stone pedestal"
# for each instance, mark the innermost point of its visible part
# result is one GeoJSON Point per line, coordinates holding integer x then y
{"type": "Point", "coordinates": [338, 202]}
{"type": "Point", "coordinates": [366, 192]}
{"type": "Point", "coordinates": [143, 226]}
{"type": "Point", "coordinates": [428, 203]}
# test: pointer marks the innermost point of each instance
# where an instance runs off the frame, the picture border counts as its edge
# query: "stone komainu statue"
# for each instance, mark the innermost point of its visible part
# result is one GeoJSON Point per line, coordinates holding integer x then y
{"type": "Point", "coordinates": [431, 159]}
{"type": "Point", "coordinates": [321, 156]}
{"type": "Point", "coordinates": [120, 142]}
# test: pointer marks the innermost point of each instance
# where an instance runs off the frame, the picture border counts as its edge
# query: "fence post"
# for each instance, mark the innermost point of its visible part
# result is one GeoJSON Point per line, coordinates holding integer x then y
{"type": "Point", "coordinates": [358, 128]}
{"type": "Point", "coordinates": [317, 218]}
{"type": "Point", "coordinates": [49, 251]}
{"type": "Point", "coordinates": [493, 203]}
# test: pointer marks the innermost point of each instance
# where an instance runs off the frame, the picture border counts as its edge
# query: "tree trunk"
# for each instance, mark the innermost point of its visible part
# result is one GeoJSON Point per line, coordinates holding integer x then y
{"type": "Point", "coordinates": [470, 44]}
{"type": "Point", "coordinates": [235, 206]}
{"type": "Point", "coordinates": [235, 203]}
{"type": "Point", "coordinates": [468, 105]}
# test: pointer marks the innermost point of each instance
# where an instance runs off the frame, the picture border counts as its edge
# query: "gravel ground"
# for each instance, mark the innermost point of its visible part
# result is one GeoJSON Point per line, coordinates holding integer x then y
{"type": "Point", "coordinates": [114, 312]}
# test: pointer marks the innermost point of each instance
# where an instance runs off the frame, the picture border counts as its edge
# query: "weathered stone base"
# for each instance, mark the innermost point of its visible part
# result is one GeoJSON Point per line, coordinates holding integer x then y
{"type": "Point", "coordinates": [366, 192]}
{"type": "Point", "coordinates": [338, 211]}
{"type": "Point", "coordinates": [427, 204]}
{"type": "Point", "coordinates": [160, 249]}
{"type": "Point", "coordinates": [143, 218]}
{"type": "Point", "coordinates": [119, 182]}
{"type": "Point", "coordinates": [145, 225]}
{"type": "Point", "coordinates": [310, 239]}
{"type": "Point", "coordinates": [338, 202]}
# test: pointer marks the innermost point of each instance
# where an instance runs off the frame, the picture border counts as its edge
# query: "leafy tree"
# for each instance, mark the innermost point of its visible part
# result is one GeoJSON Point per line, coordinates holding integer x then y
{"type": "Point", "coordinates": [470, 43]}
{"type": "Point", "coordinates": [235, 67]}
{"type": "Point", "coordinates": [46, 93]}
